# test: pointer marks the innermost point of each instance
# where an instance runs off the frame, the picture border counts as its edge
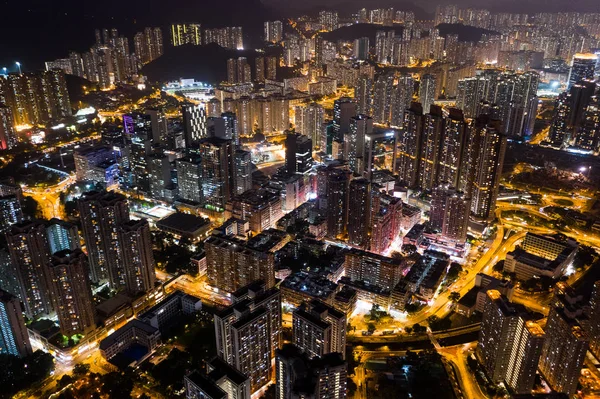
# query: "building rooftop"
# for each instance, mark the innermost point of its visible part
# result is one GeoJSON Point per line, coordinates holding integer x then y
{"type": "Point", "coordinates": [253, 287]}
{"type": "Point", "coordinates": [221, 369]}
{"type": "Point", "coordinates": [313, 285]}
{"type": "Point", "coordinates": [470, 298]}
{"type": "Point", "coordinates": [207, 385]}
{"type": "Point", "coordinates": [522, 256]}
{"type": "Point", "coordinates": [267, 240]}
{"type": "Point", "coordinates": [183, 222]}
{"type": "Point", "coordinates": [534, 329]}
{"type": "Point", "coordinates": [248, 317]}
{"type": "Point", "coordinates": [135, 323]}
{"type": "Point", "coordinates": [364, 286]}
{"type": "Point", "coordinates": [177, 295]}
{"type": "Point", "coordinates": [346, 294]}
{"type": "Point", "coordinates": [371, 255]}
{"type": "Point", "coordinates": [311, 318]}
{"type": "Point", "coordinates": [320, 308]}
{"type": "Point", "coordinates": [113, 304]}
{"type": "Point", "coordinates": [258, 198]}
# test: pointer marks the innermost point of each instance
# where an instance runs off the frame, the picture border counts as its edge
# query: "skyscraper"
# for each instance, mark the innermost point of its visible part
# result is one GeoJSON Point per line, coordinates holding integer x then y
{"type": "Point", "coordinates": [14, 338]}
{"type": "Point", "coordinates": [195, 126]}
{"type": "Point", "coordinates": [217, 167]}
{"type": "Point", "coordinates": [159, 174]}
{"type": "Point", "coordinates": [136, 244]}
{"type": "Point", "coordinates": [588, 138]}
{"type": "Point", "coordinates": [101, 214]}
{"type": "Point", "coordinates": [359, 213]}
{"type": "Point", "coordinates": [401, 98]}
{"type": "Point", "coordinates": [259, 69]}
{"type": "Point", "coordinates": [361, 126]}
{"type": "Point", "coordinates": [488, 167]}
{"type": "Point", "coordinates": [273, 31]}
{"type": "Point", "coordinates": [298, 153]}
{"type": "Point", "coordinates": [509, 346]}
{"type": "Point", "coordinates": [30, 254]}
{"type": "Point", "coordinates": [271, 68]}
{"type": "Point", "coordinates": [382, 98]}
{"type": "Point", "coordinates": [319, 329]}
{"type": "Point", "coordinates": [186, 34]}
{"type": "Point", "coordinates": [232, 264]}
{"type": "Point", "coordinates": [386, 222]}
{"type": "Point", "coordinates": [140, 133]}
{"type": "Point", "coordinates": [437, 212]}
{"type": "Point", "coordinates": [570, 114]}
{"type": "Point", "coordinates": [583, 67]}
{"type": "Point", "coordinates": [248, 332]}
{"type": "Point", "coordinates": [343, 110]}
{"type": "Point", "coordinates": [328, 20]}
{"type": "Point", "coordinates": [188, 179]}
{"type": "Point", "coordinates": [243, 171]}
{"type": "Point", "coordinates": [10, 211]}
{"type": "Point", "coordinates": [593, 327]}
{"type": "Point", "coordinates": [449, 213]}
{"type": "Point", "coordinates": [361, 48]}
{"type": "Point", "coordinates": [36, 98]}
{"type": "Point", "coordinates": [512, 95]}
{"type": "Point", "coordinates": [453, 149]}
{"type": "Point", "coordinates": [299, 376]}
{"type": "Point", "coordinates": [8, 138]}
{"type": "Point", "coordinates": [337, 201]}
{"type": "Point", "coordinates": [71, 292]}
{"type": "Point", "coordinates": [429, 154]}
{"type": "Point", "coordinates": [363, 95]}
{"type": "Point", "coordinates": [309, 121]}
{"type": "Point", "coordinates": [231, 127]}
{"type": "Point", "coordinates": [62, 235]}
{"type": "Point", "coordinates": [427, 92]}
{"type": "Point", "coordinates": [564, 350]}
{"type": "Point", "coordinates": [408, 145]}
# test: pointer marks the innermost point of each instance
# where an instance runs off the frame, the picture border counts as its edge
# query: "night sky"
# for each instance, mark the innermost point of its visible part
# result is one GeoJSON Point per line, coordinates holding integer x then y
{"type": "Point", "coordinates": [33, 31]}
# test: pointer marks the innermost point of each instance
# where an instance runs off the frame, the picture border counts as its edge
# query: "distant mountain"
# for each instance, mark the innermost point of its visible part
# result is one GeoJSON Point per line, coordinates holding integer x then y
{"type": "Point", "coordinates": [203, 63]}
{"type": "Point", "coordinates": [344, 7]}
{"type": "Point", "coordinates": [356, 31]}
{"type": "Point", "coordinates": [465, 33]}
{"type": "Point", "coordinates": [34, 31]}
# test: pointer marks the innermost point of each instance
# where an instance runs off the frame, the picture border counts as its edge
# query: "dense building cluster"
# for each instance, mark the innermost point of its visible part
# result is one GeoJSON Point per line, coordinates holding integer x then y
{"type": "Point", "coordinates": [320, 178]}
{"type": "Point", "coordinates": [192, 34]}
{"type": "Point", "coordinates": [112, 59]}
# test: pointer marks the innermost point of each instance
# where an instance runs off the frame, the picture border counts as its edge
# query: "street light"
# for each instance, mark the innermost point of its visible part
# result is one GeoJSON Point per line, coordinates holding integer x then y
{"type": "Point", "coordinates": [19, 66]}
{"type": "Point", "coordinates": [5, 70]}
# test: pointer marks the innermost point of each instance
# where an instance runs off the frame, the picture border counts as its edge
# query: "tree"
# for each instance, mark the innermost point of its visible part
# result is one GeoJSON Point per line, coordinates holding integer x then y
{"type": "Point", "coordinates": [374, 313]}
{"type": "Point", "coordinates": [419, 329]}
{"type": "Point", "coordinates": [409, 249]}
{"type": "Point", "coordinates": [454, 296]}
{"type": "Point", "coordinates": [64, 381]}
{"type": "Point", "coordinates": [408, 330]}
{"type": "Point", "coordinates": [437, 324]}
{"type": "Point", "coordinates": [31, 207]}
{"type": "Point", "coordinates": [454, 271]}
{"type": "Point", "coordinates": [117, 385]}
{"type": "Point", "coordinates": [351, 387]}
{"type": "Point", "coordinates": [499, 266]}
{"type": "Point", "coordinates": [371, 328]}
{"type": "Point", "coordinates": [81, 369]}
{"type": "Point", "coordinates": [22, 373]}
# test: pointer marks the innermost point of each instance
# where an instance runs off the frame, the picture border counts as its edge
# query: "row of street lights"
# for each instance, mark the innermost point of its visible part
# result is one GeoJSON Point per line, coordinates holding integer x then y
{"type": "Point", "coordinates": [5, 69]}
